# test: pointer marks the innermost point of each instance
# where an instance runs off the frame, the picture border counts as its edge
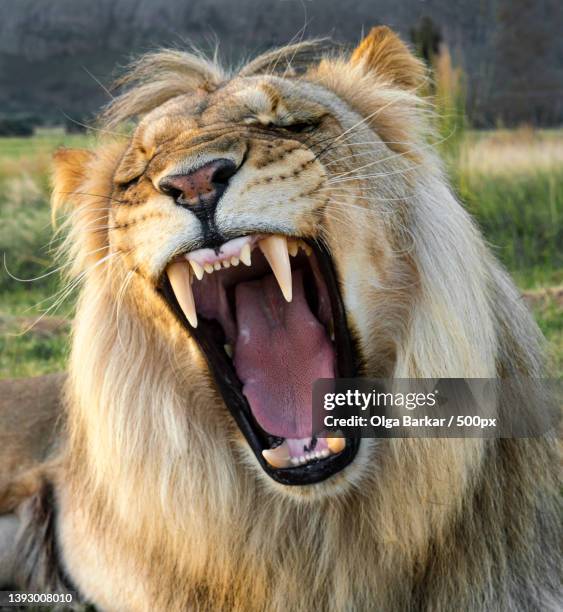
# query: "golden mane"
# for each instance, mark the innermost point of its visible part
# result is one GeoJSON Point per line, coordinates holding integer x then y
{"type": "Point", "coordinates": [161, 511]}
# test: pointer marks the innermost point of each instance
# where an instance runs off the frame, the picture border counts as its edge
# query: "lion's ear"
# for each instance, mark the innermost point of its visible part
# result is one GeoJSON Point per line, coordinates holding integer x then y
{"type": "Point", "coordinates": [70, 171]}
{"type": "Point", "coordinates": [384, 53]}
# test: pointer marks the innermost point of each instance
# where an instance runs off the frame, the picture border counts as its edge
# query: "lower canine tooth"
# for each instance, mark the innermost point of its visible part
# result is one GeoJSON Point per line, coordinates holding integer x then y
{"type": "Point", "coordinates": [336, 445]}
{"type": "Point", "coordinates": [179, 276]}
{"type": "Point", "coordinates": [275, 251]}
{"type": "Point", "coordinates": [277, 457]}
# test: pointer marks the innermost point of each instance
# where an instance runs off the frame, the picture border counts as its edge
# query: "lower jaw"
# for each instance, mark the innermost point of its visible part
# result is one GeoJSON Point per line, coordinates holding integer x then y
{"type": "Point", "coordinates": [230, 386]}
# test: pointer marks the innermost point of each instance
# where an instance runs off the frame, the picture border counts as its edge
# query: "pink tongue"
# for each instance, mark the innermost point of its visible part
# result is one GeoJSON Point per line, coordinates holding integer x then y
{"type": "Point", "coordinates": [281, 349]}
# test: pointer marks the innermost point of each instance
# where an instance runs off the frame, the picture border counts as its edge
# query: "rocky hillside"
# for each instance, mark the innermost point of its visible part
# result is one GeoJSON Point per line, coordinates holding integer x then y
{"type": "Point", "coordinates": [52, 52]}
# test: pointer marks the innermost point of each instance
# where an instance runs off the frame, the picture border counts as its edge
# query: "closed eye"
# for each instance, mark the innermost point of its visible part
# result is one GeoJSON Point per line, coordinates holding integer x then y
{"type": "Point", "coordinates": [299, 128]}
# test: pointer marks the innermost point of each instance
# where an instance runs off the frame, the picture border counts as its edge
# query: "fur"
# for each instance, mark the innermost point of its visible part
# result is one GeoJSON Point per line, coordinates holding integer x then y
{"type": "Point", "coordinates": [161, 503]}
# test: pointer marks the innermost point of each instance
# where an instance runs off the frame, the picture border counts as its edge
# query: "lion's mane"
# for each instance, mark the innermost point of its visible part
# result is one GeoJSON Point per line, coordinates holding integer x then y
{"type": "Point", "coordinates": [175, 512]}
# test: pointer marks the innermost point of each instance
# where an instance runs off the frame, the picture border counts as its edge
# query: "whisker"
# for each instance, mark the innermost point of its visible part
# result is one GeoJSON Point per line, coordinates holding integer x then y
{"type": "Point", "coordinates": [65, 292]}
{"type": "Point", "coordinates": [36, 278]}
{"type": "Point", "coordinates": [93, 128]}
{"type": "Point", "coordinates": [93, 195]}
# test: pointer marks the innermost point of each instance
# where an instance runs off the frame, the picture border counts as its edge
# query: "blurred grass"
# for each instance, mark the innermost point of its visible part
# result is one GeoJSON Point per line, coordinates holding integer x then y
{"type": "Point", "coordinates": [43, 143]}
{"type": "Point", "coordinates": [511, 181]}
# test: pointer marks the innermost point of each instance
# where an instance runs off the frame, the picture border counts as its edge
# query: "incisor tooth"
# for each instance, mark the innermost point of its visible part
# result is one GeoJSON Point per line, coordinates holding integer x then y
{"type": "Point", "coordinates": [308, 250]}
{"type": "Point", "coordinates": [208, 268]}
{"type": "Point", "coordinates": [226, 263]}
{"type": "Point", "coordinates": [292, 247]}
{"type": "Point", "coordinates": [179, 276]}
{"type": "Point", "coordinates": [275, 251]}
{"type": "Point", "coordinates": [277, 457]}
{"type": "Point", "coordinates": [198, 270]}
{"type": "Point", "coordinates": [245, 255]}
{"type": "Point", "coordinates": [234, 261]}
{"type": "Point", "coordinates": [217, 265]}
{"type": "Point", "coordinates": [336, 445]}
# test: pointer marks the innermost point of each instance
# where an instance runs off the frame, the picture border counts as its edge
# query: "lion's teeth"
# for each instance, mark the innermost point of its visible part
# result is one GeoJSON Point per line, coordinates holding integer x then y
{"type": "Point", "coordinates": [234, 261]}
{"type": "Point", "coordinates": [208, 268]}
{"type": "Point", "coordinates": [245, 255]}
{"type": "Point", "coordinates": [226, 263]}
{"type": "Point", "coordinates": [336, 445]}
{"type": "Point", "coordinates": [217, 265]}
{"type": "Point", "coordinates": [198, 270]}
{"type": "Point", "coordinates": [308, 250]}
{"type": "Point", "coordinates": [292, 247]}
{"type": "Point", "coordinates": [179, 276]}
{"type": "Point", "coordinates": [277, 457]}
{"type": "Point", "coordinates": [275, 251]}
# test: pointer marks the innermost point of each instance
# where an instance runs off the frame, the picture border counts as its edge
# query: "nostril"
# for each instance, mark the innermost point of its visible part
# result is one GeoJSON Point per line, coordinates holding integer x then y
{"type": "Point", "coordinates": [174, 193]}
{"type": "Point", "coordinates": [205, 183]}
{"type": "Point", "coordinates": [225, 170]}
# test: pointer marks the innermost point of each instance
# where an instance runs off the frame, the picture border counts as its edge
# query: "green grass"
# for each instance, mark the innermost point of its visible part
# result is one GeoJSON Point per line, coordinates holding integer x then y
{"type": "Point", "coordinates": [43, 142]}
{"type": "Point", "coordinates": [29, 354]}
{"type": "Point", "coordinates": [518, 205]}
{"type": "Point", "coordinates": [521, 216]}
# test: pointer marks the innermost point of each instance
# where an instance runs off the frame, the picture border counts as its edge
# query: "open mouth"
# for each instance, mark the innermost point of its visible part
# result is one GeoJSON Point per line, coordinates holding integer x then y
{"type": "Point", "coordinates": [267, 313]}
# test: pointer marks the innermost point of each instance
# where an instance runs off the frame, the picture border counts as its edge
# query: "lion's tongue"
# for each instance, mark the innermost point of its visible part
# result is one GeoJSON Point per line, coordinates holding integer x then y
{"type": "Point", "coordinates": [281, 349]}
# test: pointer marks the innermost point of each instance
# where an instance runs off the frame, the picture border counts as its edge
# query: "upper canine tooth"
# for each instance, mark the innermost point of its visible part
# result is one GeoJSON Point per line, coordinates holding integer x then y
{"type": "Point", "coordinates": [198, 270]}
{"type": "Point", "coordinates": [179, 276]}
{"type": "Point", "coordinates": [278, 457]}
{"type": "Point", "coordinates": [275, 251]}
{"type": "Point", "coordinates": [336, 445]}
{"type": "Point", "coordinates": [244, 255]}
{"type": "Point", "coordinates": [208, 268]}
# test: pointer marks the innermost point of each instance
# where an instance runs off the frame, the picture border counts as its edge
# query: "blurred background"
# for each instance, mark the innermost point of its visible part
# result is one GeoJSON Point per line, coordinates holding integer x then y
{"type": "Point", "coordinates": [497, 68]}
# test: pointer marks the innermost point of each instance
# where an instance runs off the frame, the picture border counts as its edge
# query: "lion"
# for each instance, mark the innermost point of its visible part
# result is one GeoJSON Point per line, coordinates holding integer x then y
{"type": "Point", "coordinates": [236, 236]}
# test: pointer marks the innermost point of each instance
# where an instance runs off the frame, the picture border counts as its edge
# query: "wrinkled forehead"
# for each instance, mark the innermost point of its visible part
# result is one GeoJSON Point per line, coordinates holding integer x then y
{"type": "Point", "coordinates": [263, 100]}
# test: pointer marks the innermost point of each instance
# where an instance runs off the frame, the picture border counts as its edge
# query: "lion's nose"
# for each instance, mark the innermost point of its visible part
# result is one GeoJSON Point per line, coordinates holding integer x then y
{"type": "Point", "coordinates": [201, 189]}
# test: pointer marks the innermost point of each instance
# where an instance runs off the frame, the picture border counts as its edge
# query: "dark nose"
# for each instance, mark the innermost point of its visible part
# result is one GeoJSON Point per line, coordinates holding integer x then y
{"type": "Point", "coordinates": [201, 189]}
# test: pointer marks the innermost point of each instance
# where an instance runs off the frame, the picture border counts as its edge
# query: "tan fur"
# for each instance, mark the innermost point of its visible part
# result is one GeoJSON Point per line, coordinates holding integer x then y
{"type": "Point", "coordinates": [30, 412]}
{"type": "Point", "coordinates": [162, 505]}
{"type": "Point", "coordinates": [383, 52]}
